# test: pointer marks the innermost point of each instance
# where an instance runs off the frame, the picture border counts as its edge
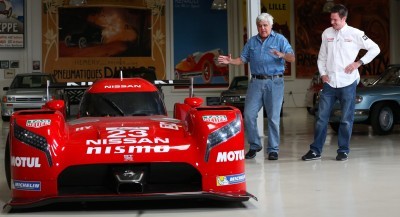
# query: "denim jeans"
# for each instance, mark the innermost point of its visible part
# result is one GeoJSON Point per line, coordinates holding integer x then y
{"type": "Point", "coordinates": [328, 97]}
{"type": "Point", "coordinates": [267, 93]}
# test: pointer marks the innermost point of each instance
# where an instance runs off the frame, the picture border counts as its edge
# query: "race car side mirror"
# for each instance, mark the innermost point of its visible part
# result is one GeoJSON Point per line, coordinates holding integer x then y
{"type": "Point", "coordinates": [194, 101]}
{"type": "Point", "coordinates": [55, 105]}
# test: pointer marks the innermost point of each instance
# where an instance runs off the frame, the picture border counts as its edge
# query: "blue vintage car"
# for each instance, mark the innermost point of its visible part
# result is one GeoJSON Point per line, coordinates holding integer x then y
{"type": "Point", "coordinates": [377, 104]}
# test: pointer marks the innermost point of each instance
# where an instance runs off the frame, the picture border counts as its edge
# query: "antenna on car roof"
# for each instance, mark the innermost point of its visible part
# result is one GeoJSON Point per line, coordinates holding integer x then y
{"type": "Point", "coordinates": [191, 87]}
{"type": "Point", "coordinates": [47, 90]}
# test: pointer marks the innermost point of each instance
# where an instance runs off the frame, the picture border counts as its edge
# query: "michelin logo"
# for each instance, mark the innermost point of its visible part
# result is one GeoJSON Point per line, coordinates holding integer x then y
{"type": "Point", "coordinates": [231, 179]}
{"type": "Point", "coordinates": [26, 185]}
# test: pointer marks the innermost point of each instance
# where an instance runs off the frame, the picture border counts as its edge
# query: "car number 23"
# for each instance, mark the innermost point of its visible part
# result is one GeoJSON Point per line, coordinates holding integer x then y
{"type": "Point", "coordinates": [126, 132]}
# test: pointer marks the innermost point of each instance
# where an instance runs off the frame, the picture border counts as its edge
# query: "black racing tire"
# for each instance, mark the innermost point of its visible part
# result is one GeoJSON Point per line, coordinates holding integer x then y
{"type": "Point", "coordinates": [7, 162]}
{"type": "Point", "coordinates": [382, 119]}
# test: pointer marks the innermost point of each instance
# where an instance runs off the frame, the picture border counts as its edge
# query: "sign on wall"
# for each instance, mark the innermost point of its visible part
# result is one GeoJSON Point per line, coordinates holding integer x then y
{"type": "Point", "coordinates": [12, 24]}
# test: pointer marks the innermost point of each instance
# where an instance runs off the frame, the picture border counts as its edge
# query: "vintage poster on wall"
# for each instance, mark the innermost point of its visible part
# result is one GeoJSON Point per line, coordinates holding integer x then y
{"type": "Point", "coordinates": [99, 39]}
{"type": "Point", "coordinates": [280, 10]}
{"type": "Point", "coordinates": [200, 36]}
{"type": "Point", "coordinates": [12, 23]}
{"type": "Point", "coordinates": [372, 17]}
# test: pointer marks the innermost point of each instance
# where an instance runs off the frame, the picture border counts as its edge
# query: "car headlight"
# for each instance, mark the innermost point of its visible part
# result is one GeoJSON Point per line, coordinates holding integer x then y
{"type": "Point", "coordinates": [222, 135]}
{"type": "Point", "coordinates": [359, 99]}
{"type": "Point", "coordinates": [8, 99]}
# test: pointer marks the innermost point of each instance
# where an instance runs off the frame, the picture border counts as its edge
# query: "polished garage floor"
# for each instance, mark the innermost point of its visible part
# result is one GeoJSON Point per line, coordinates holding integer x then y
{"type": "Point", "coordinates": [367, 185]}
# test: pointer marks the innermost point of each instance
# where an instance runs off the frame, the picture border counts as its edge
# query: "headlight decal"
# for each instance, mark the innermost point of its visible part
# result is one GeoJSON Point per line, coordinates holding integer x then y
{"type": "Point", "coordinates": [222, 134]}
{"type": "Point", "coordinates": [34, 140]}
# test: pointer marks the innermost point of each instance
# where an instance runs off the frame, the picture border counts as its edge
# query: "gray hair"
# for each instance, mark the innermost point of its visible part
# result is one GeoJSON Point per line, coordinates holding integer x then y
{"type": "Point", "coordinates": [265, 17]}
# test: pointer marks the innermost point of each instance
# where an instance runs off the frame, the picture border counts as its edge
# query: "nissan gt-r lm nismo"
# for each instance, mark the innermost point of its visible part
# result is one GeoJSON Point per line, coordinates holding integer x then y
{"type": "Point", "coordinates": [123, 146]}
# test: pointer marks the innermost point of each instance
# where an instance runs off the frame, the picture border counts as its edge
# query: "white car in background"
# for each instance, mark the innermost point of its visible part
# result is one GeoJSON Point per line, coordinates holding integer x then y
{"type": "Point", "coordinates": [29, 91]}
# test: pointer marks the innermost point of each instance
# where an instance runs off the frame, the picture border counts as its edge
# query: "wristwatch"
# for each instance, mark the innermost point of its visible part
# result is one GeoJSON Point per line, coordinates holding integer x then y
{"type": "Point", "coordinates": [361, 62]}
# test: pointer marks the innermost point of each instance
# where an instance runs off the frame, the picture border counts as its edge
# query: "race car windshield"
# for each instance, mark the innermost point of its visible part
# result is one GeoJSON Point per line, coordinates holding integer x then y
{"type": "Point", "coordinates": [121, 104]}
{"type": "Point", "coordinates": [31, 81]}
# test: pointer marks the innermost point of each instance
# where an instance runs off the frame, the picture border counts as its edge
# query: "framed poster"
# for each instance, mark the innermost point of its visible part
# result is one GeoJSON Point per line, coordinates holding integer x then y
{"type": "Point", "coordinates": [14, 64]}
{"type": "Point", "coordinates": [9, 73]}
{"type": "Point", "coordinates": [195, 52]}
{"type": "Point", "coordinates": [4, 64]}
{"type": "Point", "coordinates": [12, 24]}
{"type": "Point", "coordinates": [101, 38]}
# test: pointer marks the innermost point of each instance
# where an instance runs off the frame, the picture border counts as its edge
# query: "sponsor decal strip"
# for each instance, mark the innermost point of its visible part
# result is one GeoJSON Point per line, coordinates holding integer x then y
{"type": "Point", "coordinates": [29, 162]}
{"type": "Point", "coordinates": [26, 185]}
{"type": "Point", "coordinates": [231, 179]}
{"type": "Point", "coordinates": [38, 123]}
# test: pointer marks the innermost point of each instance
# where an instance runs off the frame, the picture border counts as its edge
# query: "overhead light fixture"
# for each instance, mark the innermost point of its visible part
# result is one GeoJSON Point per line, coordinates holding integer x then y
{"type": "Point", "coordinates": [218, 5]}
{"type": "Point", "coordinates": [328, 6]}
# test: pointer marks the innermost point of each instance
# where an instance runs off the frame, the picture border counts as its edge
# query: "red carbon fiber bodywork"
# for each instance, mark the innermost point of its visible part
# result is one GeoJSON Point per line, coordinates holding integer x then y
{"type": "Point", "coordinates": [205, 140]}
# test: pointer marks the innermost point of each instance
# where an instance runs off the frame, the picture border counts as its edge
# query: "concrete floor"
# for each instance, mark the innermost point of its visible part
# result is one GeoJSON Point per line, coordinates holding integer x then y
{"type": "Point", "coordinates": [366, 185]}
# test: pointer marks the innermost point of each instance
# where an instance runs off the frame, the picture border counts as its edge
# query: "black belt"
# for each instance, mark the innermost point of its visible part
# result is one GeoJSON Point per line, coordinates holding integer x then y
{"type": "Point", "coordinates": [266, 76]}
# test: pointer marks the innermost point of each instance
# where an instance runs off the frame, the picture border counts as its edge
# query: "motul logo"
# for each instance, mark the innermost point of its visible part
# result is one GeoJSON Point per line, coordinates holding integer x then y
{"type": "Point", "coordinates": [29, 162]}
{"type": "Point", "coordinates": [230, 156]}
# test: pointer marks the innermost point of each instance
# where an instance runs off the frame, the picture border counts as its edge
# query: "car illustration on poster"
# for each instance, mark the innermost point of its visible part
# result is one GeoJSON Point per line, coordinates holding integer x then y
{"type": "Point", "coordinates": [123, 146]}
{"type": "Point", "coordinates": [204, 64]}
{"type": "Point", "coordinates": [6, 8]}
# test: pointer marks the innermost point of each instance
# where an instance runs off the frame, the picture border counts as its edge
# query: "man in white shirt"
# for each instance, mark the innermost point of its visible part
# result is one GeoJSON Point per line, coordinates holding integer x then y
{"type": "Point", "coordinates": [338, 68]}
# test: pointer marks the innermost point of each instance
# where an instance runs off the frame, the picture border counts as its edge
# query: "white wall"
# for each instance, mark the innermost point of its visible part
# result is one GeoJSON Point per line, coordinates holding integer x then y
{"type": "Point", "coordinates": [297, 87]}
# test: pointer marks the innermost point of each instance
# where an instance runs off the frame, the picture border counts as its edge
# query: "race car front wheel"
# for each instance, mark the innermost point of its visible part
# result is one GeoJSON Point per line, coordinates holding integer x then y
{"type": "Point", "coordinates": [7, 164]}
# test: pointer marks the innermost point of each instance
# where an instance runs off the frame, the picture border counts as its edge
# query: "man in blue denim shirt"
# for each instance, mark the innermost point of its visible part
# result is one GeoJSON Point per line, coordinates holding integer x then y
{"type": "Point", "coordinates": [266, 52]}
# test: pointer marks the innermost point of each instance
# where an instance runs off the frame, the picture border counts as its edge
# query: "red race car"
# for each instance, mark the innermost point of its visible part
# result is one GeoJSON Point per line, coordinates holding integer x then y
{"type": "Point", "coordinates": [123, 146]}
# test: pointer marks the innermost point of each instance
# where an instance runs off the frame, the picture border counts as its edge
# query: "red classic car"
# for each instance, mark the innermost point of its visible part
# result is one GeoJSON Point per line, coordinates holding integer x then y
{"type": "Point", "coordinates": [203, 64]}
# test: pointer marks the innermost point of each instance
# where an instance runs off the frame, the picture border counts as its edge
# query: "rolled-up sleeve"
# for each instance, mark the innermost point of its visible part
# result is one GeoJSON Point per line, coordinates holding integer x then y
{"type": "Point", "coordinates": [372, 48]}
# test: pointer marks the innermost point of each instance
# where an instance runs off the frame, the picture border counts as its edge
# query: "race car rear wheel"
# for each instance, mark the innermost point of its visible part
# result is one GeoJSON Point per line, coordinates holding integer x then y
{"type": "Point", "coordinates": [82, 42]}
{"type": "Point", "coordinates": [382, 119]}
{"type": "Point", "coordinates": [207, 71]}
{"type": "Point", "coordinates": [7, 164]}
